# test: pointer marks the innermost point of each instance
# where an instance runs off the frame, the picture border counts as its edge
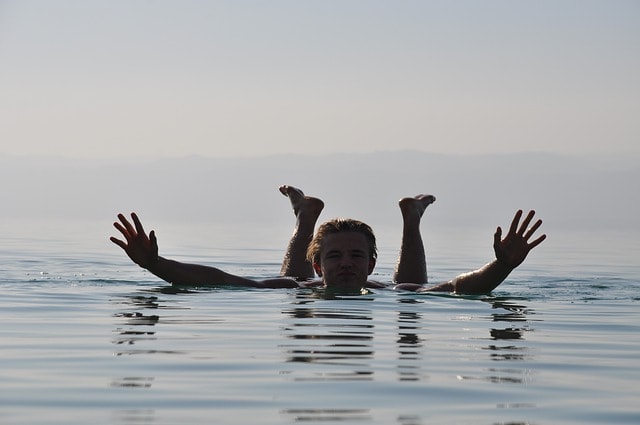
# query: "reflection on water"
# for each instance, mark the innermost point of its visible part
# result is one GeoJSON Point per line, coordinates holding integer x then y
{"type": "Point", "coordinates": [339, 339]}
{"type": "Point", "coordinates": [410, 341]}
{"type": "Point", "coordinates": [512, 313]}
{"type": "Point", "coordinates": [514, 317]}
{"type": "Point", "coordinates": [344, 340]}
{"type": "Point", "coordinates": [130, 335]}
{"type": "Point", "coordinates": [327, 415]}
{"type": "Point", "coordinates": [132, 382]}
{"type": "Point", "coordinates": [139, 319]}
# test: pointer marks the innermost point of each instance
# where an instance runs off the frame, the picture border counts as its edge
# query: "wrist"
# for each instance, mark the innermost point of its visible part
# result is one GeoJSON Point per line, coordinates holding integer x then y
{"type": "Point", "coordinates": [504, 264]}
{"type": "Point", "coordinates": [151, 263]}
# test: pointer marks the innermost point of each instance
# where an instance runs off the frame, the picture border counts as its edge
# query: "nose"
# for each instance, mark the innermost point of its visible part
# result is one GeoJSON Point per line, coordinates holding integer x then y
{"type": "Point", "coordinates": [346, 262]}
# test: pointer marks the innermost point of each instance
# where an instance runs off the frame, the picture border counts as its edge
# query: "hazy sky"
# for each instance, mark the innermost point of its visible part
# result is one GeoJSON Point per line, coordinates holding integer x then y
{"type": "Point", "coordinates": [224, 78]}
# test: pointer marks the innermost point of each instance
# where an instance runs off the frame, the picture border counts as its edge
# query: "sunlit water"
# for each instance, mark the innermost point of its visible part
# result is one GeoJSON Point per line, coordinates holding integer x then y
{"type": "Point", "coordinates": [88, 338]}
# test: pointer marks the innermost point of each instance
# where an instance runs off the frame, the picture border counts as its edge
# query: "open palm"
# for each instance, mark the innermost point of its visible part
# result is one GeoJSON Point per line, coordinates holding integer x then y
{"type": "Point", "coordinates": [514, 248]}
{"type": "Point", "coordinates": [142, 249]}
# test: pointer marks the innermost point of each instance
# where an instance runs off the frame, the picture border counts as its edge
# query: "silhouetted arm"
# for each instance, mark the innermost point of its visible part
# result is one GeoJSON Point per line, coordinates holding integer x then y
{"type": "Point", "coordinates": [143, 250]}
{"type": "Point", "coordinates": [510, 253]}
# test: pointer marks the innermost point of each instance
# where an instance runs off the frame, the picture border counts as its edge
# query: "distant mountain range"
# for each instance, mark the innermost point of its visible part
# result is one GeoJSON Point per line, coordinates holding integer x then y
{"type": "Point", "coordinates": [567, 191]}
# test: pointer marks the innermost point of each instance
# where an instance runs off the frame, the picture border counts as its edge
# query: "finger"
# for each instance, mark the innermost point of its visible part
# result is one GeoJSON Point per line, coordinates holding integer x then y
{"type": "Point", "coordinates": [526, 222]}
{"type": "Point", "coordinates": [497, 236]}
{"type": "Point", "coordinates": [533, 229]}
{"type": "Point", "coordinates": [127, 225]}
{"type": "Point", "coordinates": [514, 224]}
{"type": "Point", "coordinates": [138, 223]}
{"type": "Point", "coordinates": [118, 242]}
{"type": "Point", "coordinates": [122, 230]}
{"type": "Point", "coordinates": [152, 238]}
{"type": "Point", "coordinates": [537, 242]}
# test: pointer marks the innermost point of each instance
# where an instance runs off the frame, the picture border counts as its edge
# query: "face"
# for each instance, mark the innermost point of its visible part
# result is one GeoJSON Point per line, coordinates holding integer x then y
{"type": "Point", "coordinates": [344, 261]}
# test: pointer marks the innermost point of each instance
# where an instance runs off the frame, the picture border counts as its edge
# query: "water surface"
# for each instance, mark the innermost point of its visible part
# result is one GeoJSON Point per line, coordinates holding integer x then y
{"type": "Point", "coordinates": [87, 337]}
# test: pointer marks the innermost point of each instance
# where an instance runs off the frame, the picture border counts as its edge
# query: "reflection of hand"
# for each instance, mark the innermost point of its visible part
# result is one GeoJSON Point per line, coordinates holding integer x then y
{"type": "Point", "coordinates": [142, 249]}
{"type": "Point", "coordinates": [514, 248]}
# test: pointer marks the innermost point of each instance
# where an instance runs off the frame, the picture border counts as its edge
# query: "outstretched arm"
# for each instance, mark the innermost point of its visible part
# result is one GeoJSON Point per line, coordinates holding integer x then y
{"type": "Point", "coordinates": [510, 253]}
{"type": "Point", "coordinates": [143, 250]}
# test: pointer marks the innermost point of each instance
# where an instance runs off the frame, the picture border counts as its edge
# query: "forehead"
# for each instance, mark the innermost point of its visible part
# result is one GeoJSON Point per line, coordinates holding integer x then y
{"type": "Point", "coordinates": [345, 241]}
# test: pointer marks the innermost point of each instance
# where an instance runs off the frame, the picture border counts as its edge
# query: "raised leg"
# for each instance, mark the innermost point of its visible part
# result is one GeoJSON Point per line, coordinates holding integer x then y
{"type": "Point", "coordinates": [412, 263]}
{"type": "Point", "coordinates": [307, 210]}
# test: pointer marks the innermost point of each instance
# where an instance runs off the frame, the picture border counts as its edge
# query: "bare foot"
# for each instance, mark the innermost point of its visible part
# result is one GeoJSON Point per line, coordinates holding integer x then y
{"type": "Point", "coordinates": [415, 207]}
{"type": "Point", "coordinates": [300, 203]}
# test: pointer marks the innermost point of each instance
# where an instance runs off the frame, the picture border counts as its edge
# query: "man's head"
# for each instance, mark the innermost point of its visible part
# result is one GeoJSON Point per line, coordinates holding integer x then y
{"type": "Point", "coordinates": [343, 252]}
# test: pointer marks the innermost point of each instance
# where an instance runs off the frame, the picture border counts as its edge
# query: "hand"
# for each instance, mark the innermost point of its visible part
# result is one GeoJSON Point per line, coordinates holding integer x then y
{"type": "Point", "coordinates": [142, 249]}
{"type": "Point", "coordinates": [514, 248]}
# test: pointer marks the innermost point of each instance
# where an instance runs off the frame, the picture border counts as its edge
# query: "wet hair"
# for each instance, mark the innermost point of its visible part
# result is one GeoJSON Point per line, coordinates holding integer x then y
{"type": "Point", "coordinates": [340, 225]}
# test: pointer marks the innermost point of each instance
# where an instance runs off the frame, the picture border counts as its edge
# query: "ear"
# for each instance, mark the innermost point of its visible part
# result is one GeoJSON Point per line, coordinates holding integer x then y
{"type": "Point", "coordinates": [318, 269]}
{"type": "Point", "coordinates": [372, 265]}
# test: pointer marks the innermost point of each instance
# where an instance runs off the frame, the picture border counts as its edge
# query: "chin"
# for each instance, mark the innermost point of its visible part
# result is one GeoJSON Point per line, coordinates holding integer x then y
{"type": "Point", "coordinates": [347, 287]}
{"type": "Point", "coordinates": [342, 290]}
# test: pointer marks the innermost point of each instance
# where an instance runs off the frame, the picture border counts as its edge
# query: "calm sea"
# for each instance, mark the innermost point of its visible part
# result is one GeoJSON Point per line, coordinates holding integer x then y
{"type": "Point", "coordinates": [89, 338]}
